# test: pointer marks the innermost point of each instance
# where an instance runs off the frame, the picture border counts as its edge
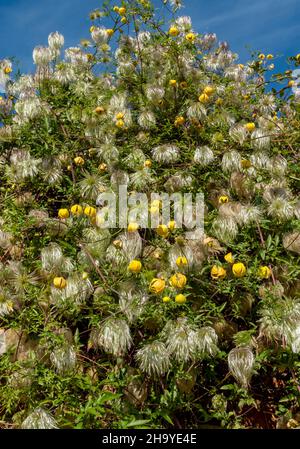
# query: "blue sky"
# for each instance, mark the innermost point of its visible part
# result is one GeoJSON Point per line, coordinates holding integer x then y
{"type": "Point", "coordinates": [271, 26]}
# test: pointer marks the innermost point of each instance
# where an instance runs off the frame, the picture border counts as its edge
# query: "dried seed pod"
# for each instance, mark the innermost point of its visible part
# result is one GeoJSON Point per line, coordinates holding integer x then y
{"type": "Point", "coordinates": [241, 363]}
{"type": "Point", "coordinates": [39, 419]}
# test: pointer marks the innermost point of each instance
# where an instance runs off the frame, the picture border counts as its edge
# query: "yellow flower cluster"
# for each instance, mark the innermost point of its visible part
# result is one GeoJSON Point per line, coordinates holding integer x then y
{"type": "Point", "coordinates": [207, 92]}
{"type": "Point", "coordinates": [238, 269]}
{"type": "Point", "coordinates": [76, 209]}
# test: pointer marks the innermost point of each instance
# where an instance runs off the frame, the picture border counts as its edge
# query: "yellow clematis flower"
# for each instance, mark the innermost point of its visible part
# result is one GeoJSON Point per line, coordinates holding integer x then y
{"type": "Point", "coordinates": [157, 285]}
{"type": "Point", "coordinates": [59, 282]}
{"type": "Point", "coordinates": [135, 266]}
{"type": "Point", "coordinates": [264, 272]}
{"type": "Point", "coordinates": [76, 209]}
{"type": "Point", "coordinates": [229, 258]}
{"type": "Point", "coordinates": [239, 270]}
{"type": "Point", "coordinates": [181, 261]}
{"type": "Point", "coordinates": [178, 280]}
{"type": "Point", "coordinates": [180, 299]}
{"type": "Point", "coordinates": [218, 272]}
{"type": "Point", "coordinates": [63, 213]}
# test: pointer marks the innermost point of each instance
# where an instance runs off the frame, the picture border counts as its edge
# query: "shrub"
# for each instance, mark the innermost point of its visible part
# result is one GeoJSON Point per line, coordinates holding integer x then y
{"type": "Point", "coordinates": [130, 326]}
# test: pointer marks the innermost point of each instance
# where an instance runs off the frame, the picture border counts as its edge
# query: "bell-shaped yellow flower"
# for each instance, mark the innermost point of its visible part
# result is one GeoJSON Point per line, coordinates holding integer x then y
{"type": "Point", "coordinates": [157, 285]}
{"type": "Point", "coordinates": [264, 272]}
{"type": "Point", "coordinates": [173, 31]}
{"type": "Point", "coordinates": [190, 37]}
{"type": "Point", "coordinates": [218, 272]}
{"type": "Point", "coordinates": [208, 90]}
{"type": "Point", "coordinates": [162, 230]}
{"type": "Point", "coordinates": [59, 282]}
{"type": "Point", "coordinates": [223, 199]}
{"type": "Point", "coordinates": [181, 261]}
{"type": "Point", "coordinates": [90, 211]}
{"type": "Point", "coordinates": [63, 213]}
{"type": "Point", "coordinates": [76, 209]}
{"type": "Point", "coordinates": [79, 160]}
{"type": "Point", "coordinates": [180, 299]}
{"type": "Point", "coordinates": [239, 270]}
{"type": "Point", "coordinates": [250, 126]}
{"type": "Point", "coordinates": [229, 258]}
{"type": "Point", "coordinates": [172, 225]}
{"type": "Point", "coordinates": [178, 280]}
{"type": "Point", "coordinates": [135, 266]}
{"type": "Point", "coordinates": [132, 227]}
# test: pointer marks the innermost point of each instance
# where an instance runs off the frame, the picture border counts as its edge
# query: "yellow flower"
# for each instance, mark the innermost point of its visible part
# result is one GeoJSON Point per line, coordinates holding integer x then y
{"type": "Point", "coordinates": [84, 276]}
{"type": "Point", "coordinates": [229, 258]}
{"type": "Point", "coordinates": [7, 70]}
{"type": "Point", "coordinates": [217, 272]}
{"type": "Point", "coordinates": [219, 101]}
{"type": "Point", "coordinates": [203, 98]}
{"type": "Point", "coordinates": [120, 115]}
{"type": "Point", "coordinates": [291, 83]}
{"type": "Point", "coordinates": [172, 225]}
{"type": "Point", "coordinates": [76, 209]}
{"type": "Point", "coordinates": [270, 56]}
{"type": "Point", "coordinates": [154, 210]}
{"type": "Point", "coordinates": [298, 57]}
{"type": "Point", "coordinates": [190, 37]}
{"type": "Point", "coordinates": [173, 31]}
{"type": "Point", "coordinates": [92, 28]}
{"type": "Point", "coordinates": [208, 90]}
{"type": "Point", "coordinates": [90, 211]}
{"type": "Point", "coordinates": [183, 85]}
{"type": "Point", "coordinates": [181, 261]}
{"type": "Point", "coordinates": [116, 8]}
{"type": "Point", "coordinates": [63, 213]}
{"type": "Point", "coordinates": [264, 272]}
{"type": "Point", "coordinates": [118, 244]}
{"type": "Point", "coordinates": [135, 266]}
{"type": "Point", "coordinates": [132, 227]}
{"type": "Point", "coordinates": [120, 123]}
{"type": "Point", "coordinates": [250, 126]}
{"type": "Point", "coordinates": [178, 280]}
{"type": "Point", "coordinates": [124, 20]}
{"type": "Point", "coordinates": [59, 282]}
{"type": "Point", "coordinates": [262, 56]}
{"type": "Point", "coordinates": [156, 203]}
{"type": "Point", "coordinates": [162, 230]}
{"type": "Point", "coordinates": [180, 299]}
{"type": "Point", "coordinates": [239, 269]}
{"type": "Point", "coordinates": [102, 167]}
{"type": "Point", "coordinates": [79, 160]}
{"type": "Point", "coordinates": [223, 199]}
{"type": "Point", "coordinates": [122, 11]}
{"type": "Point", "coordinates": [110, 32]}
{"type": "Point", "coordinates": [246, 163]}
{"type": "Point", "coordinates": [166, 299]}
{"type": "Point", "coordinates": [173, 82]}
{"type": "Point", "coordinates": [157, 285]}
{"type": "Point", "coordinates": [179, 121]}
{"type": "Point", "coordinates": [148, 163]}
{"type": "Point", "coordinates": [99, 110]}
